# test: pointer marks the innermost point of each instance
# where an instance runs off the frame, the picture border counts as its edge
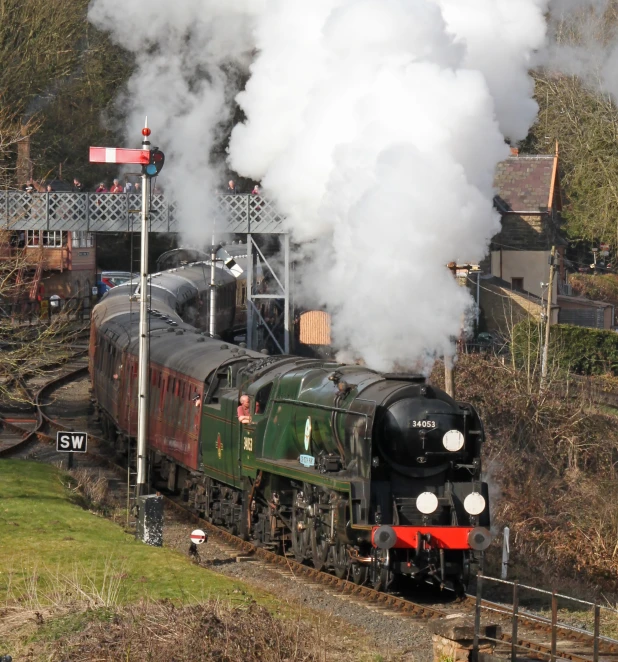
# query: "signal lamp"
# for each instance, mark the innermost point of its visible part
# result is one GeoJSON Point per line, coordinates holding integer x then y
{"type": "Point", "coordinates": [155, 165]}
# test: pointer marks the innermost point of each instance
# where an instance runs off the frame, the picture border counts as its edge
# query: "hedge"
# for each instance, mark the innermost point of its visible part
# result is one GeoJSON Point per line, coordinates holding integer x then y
{"type": "Point", "coordinates": [577, 349]}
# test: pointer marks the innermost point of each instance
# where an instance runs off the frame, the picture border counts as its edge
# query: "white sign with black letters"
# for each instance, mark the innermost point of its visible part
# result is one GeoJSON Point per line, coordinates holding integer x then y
{"type": "Point", "coordinates": [71, 442]}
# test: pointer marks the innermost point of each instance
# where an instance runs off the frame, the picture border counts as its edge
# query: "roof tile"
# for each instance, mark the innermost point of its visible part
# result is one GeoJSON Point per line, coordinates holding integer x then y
{"type": "Point", "coordinates": [523, 183]}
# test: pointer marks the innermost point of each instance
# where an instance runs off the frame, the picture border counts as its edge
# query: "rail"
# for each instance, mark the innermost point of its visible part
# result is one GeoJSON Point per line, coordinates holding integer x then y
{"type": "Point", "coordinates": [117, 212]}
{"type": "Point", "coordinates": [517, 614]}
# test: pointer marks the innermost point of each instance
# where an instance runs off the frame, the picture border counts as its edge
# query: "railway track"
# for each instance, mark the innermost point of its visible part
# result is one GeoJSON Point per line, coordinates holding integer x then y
{"type": "Point", "coordinates": [534, 634]}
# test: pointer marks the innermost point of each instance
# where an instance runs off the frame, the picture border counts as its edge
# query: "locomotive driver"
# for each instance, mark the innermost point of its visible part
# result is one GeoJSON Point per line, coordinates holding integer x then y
{"type": "Point", "coordinates": [244, 413]}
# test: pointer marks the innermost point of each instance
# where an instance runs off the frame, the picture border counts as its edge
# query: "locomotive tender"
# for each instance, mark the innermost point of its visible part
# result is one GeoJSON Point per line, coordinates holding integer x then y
{"type": "Point", "coordinates": [372, 475]}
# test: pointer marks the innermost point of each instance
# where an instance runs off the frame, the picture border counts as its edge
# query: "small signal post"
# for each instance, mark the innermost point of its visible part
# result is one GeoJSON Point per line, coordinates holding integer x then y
{"type": "Point", "coordinates": [151, 159]}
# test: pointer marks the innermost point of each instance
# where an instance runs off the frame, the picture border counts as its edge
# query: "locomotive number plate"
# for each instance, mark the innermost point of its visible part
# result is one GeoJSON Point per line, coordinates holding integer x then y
{"type": "Point", "coordinates": [248, 443]}
{"type": "Point", "coordinates": [421, 424]}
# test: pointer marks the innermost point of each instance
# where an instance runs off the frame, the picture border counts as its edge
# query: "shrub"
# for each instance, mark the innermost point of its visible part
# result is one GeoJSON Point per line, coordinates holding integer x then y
{"type": "Point", "coordinates": [576, 349]}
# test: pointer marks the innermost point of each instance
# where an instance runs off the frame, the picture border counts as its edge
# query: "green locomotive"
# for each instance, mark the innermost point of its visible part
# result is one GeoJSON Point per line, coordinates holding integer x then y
{"type": "Point", "coordinates": [373, 475]}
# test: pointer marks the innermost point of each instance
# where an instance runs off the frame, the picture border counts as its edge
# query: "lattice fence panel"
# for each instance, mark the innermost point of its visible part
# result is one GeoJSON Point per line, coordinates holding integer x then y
{"type": "Point", "coordinates": [108, 212]}
{"type": "Point", "coordinates": [231, 212]}
{"type": "Point", "coordinates": [263, 217]}
{"type": "Point", "coordinates": [27, 211]}
{"type": "Point", "coordinates": [67, 211]}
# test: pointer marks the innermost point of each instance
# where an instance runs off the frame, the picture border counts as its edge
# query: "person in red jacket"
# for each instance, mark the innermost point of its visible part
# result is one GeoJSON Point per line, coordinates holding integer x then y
{"type": "Point", "coordinates": [116, 188]}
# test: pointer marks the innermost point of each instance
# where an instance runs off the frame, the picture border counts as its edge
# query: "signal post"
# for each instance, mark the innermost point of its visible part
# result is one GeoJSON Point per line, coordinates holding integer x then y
{"type": "Point", "coordinates": [152, 160]}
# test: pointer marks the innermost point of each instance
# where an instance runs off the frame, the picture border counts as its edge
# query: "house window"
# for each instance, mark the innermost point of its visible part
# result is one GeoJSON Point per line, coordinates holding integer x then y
{"type": "Point", "coordinates": [82, 239]}
{"type": "Point", "coordinates": [517, 284]}
{"type": "Point", "coordinates": [54, 238]}
{"type": "Point", "coordinates": [33, 237]}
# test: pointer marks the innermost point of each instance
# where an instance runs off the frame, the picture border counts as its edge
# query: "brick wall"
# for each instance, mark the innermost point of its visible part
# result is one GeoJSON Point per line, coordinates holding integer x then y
{"type": "Point", "coordinates": [535, 232]}
{"type": "Point", "coordinates": [503, 308]}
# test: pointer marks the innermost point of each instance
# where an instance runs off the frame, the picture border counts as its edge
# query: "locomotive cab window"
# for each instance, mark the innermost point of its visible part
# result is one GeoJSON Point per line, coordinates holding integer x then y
{"type": "Point", "coordinates": [262, 397]}
{"type": "Point", "coordinates": [220, 382]}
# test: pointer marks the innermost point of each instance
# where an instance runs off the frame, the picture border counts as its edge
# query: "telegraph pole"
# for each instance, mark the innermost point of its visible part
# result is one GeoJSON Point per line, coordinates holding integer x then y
{"type": "Point", "coordinates": [545, 358]}
{"type": "Point", "coordinates": [144, 358]}
{"type": "Point", "coordinates": [449, 376]}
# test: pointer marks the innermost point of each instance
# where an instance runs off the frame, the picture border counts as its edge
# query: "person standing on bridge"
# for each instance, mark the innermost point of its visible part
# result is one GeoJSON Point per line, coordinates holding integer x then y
{"type": "Point", "coordinates": [116, 187]}
{"type": "Point", "coordinates": [231, 188]}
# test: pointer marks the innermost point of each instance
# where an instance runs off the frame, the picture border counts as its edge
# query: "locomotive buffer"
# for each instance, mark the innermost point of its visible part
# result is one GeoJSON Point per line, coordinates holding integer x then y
{"type": "Point", "coordinates": [151, 160]}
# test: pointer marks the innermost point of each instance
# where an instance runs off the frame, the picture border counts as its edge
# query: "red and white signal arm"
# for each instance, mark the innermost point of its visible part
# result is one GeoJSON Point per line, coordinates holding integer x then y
{"type": "Point", "coordinates": [119, 155]}
{"type": "Point", "coordinates": [198, 536]}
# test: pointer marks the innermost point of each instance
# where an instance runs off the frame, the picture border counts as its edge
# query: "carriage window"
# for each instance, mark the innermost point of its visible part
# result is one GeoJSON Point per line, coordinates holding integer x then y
{"type": "Point", "coordinates": [261, 399]}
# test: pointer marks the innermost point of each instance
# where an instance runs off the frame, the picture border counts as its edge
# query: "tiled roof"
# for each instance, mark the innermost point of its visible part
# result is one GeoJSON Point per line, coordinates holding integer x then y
{"type": "Point", "coordinates": [524, 183]}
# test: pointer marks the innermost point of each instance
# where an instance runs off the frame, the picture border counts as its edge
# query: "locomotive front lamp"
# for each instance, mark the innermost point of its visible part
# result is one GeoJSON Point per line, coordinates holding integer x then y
{"type": "Point", "coordinates": [474, 503]}
{"type": "Point", "coordinates": [427, 503]}
{"type": "Point", "coordinates": [453, 441]}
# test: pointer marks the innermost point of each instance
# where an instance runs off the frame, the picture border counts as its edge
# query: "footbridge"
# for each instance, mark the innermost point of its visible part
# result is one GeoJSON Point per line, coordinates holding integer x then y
{"type": "Point", "coordinates": [120, 212]}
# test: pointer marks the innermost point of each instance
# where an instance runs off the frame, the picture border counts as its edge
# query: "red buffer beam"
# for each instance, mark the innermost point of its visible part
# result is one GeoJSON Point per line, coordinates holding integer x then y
{"type": "Point", "coordinates": [119, 155]}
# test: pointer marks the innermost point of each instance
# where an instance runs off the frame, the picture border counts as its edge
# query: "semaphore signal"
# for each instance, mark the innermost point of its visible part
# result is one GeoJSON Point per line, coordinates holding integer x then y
{"type": "Point", "coordinates": [151, 159]}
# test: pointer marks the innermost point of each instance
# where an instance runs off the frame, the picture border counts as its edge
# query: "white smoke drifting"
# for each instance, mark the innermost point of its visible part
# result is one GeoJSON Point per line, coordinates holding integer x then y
{"type": "Point", "coordinates": [584, 43]}
{"type": "Point", "coordinates": [374, 125]}
{"type": "Point", "coordinates": [183, 51]}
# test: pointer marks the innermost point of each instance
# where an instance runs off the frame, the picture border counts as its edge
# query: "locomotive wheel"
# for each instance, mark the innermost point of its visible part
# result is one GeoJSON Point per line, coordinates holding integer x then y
{"type": "Point", "coordinates": [341, 560]}
{"type": "Point", "coordinates": [380, 576]}
{"type": "Point", "coordinates": [319, 546]}
{"type": "Point", "coordinates": [300, 535]}
{"type": "Point", "coordinates": [359, 573]}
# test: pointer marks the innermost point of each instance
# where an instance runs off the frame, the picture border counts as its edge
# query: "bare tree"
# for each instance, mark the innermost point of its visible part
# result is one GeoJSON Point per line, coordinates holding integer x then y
{"type": "Point", "coordinates": [30, 337]}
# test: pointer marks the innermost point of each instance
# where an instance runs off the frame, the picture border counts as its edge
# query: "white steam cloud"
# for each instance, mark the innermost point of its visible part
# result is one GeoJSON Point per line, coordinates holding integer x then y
{"type": "Point", "coordinates": [584, 42]}
{"type": "Point", "coordinates": [374, 125]}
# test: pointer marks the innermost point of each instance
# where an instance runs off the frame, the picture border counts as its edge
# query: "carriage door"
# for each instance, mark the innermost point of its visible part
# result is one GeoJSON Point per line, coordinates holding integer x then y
{"type": "Point", "coordinates": [218, 449]}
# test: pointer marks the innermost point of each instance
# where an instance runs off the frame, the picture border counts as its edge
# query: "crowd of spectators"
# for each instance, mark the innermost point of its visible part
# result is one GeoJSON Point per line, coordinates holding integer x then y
{"type": "Point", "coordinates": [32, 186]}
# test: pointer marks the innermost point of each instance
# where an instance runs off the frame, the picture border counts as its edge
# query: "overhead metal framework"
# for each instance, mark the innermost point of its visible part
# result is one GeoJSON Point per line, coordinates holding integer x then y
{"type": "Point", "coordinates": [268, 299]}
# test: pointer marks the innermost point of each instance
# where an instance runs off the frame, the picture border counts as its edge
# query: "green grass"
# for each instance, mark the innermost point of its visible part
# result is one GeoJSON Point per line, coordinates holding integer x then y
{"type": "Point", "coordinates": [49, 545]}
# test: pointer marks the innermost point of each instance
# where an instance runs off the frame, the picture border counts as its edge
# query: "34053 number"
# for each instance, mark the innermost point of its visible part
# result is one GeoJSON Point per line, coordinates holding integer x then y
{"type": "Point", "coordinates": [422, 424]}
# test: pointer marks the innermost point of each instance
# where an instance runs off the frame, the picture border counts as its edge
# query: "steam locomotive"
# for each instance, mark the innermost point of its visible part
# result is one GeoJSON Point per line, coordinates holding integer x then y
{"type": "Point", "coordinates": [373, 476]}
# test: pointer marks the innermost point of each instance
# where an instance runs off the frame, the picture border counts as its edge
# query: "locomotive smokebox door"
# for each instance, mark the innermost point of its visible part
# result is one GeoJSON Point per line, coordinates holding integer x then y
{"type": "Point", "coordinates": [150, 519]}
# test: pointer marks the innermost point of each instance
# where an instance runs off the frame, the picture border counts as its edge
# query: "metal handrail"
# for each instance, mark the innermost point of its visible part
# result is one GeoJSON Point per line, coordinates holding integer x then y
{"type": "Point", "coordinates": [516, 614]}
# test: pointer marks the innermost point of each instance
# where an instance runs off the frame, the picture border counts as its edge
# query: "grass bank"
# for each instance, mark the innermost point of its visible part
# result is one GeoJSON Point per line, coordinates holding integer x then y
{"type": "Point", "coordinates": [51, 546]}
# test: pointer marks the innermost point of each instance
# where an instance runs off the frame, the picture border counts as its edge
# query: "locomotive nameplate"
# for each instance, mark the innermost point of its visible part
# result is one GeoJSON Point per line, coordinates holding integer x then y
{"type": "Point", "coordinates": [307, 460]}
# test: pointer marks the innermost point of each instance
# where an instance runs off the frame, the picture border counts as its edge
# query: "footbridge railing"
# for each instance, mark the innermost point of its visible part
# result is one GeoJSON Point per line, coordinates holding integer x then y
{"type": "Point", "coordinates": [119, 212]}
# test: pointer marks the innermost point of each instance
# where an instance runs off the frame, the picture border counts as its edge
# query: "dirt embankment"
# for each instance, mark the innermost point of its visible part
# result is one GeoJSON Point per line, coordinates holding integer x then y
{"type": "Point", "coordinates": [551, 456]}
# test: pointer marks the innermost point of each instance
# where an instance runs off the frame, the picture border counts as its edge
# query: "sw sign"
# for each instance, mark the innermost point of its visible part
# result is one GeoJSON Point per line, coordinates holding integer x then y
{"type": "Point", "coordinates": [71, 442]}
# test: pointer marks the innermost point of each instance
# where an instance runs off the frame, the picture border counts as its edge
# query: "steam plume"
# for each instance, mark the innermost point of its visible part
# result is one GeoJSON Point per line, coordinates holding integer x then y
{"type": "Point", "coordinates": [374, 125]}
